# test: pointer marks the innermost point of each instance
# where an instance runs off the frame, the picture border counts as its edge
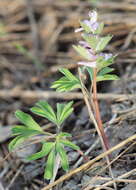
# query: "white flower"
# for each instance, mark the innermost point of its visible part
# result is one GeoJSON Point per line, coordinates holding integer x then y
{"type": "Point", "coordinates": [93, 16]}
{"type": "Point", "coordinates": [88, 64]}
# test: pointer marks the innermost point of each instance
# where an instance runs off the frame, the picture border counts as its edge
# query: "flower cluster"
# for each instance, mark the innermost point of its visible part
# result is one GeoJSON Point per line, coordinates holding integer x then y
{"type": "Point", "coordinates": [93, 44]}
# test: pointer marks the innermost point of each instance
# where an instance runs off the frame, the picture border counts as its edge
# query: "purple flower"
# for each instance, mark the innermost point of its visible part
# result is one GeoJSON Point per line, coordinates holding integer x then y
{"type": "Point", "coordinates": [92, 23]}
{"type": "Point", "coordinates": [90, 51]}
{"type": "Point", "coordinates": [106, 55]}
{"type": "Point", "coordinates": [84, 44]}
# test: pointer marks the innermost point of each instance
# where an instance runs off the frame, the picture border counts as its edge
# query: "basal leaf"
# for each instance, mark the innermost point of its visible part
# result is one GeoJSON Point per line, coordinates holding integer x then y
{"type": "Point", "coordinates": [60, 108]}
{"type": "Point", "coordinates": [48, 174]}
{"type": "Point", "coordinates": [22, 130]}
{"type": "Point", "coordinates": [17, 129]}
{"type": "Point", "coordinates": [63, 111]}
{"type": "Point", "coordinates": [63, 156]}
{"type": "Point", "coordinates": [27, 120]}
{"type": "Point", "coordinates": [46, 148]}
{"type": "Point", "coordinates": [69, 144]}
{"type": "Point", "coordinates": [45, 110]}
{"type": "Point", "coordinates": [17, 141]}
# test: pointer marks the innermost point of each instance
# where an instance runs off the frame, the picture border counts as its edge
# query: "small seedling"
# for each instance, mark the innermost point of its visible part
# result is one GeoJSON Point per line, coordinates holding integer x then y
{"type": "Point", "coordinates": [52, 145]}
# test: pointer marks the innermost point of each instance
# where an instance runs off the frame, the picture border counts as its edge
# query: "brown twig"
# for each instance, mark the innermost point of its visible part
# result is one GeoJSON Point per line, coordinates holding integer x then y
{"type": "Point", "coordinates": [39, 94]}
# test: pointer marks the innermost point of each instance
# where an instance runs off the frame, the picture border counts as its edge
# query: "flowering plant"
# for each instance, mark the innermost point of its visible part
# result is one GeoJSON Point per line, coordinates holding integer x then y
{"type": "Point", "coordinates": [97, 64]}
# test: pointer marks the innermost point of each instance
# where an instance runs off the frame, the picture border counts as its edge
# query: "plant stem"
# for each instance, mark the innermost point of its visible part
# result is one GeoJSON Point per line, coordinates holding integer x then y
{"type": "Point", "coordinates": [97, 112]}
{"type": "Point", "coordinates": [105, 141]}
{"type": "Point", "coordinates": [99, 129]}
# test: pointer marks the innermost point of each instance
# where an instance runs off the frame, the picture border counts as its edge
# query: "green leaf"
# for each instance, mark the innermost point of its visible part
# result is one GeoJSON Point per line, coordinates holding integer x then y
{"type": "Point", "coordinates": [68, 74]}
{"type": "Point", "coordinates": [90, 71]}
{"type": "Point", "coordinates": [91, 40]}
{"type": "Point", "coordinates": [46, 107]}
{"type": "Point", "coordinates": [27, 120]}
{"type": "Point", "coordinates": [17, 129]}
{"type": "Point", "coordinates": [16, 142]}
{"type": "Point", "coordinates": [64, 134]}
{"type": "Point", "coordinates": [69, 144]}
{"type": "Point", "coordinates": [82, 51]}
{"type": "Point", "coordinates": [107, 77]}
{"type": "Point", "coordinates": [45, 110]}
{"type": "Point", "coordinates": [63, 111]}
{"type": "Point", "coordinates": [60, 108]}
{"type": "Point", "coordinates": [46, 148]}
{"type": "Point", "coordinates": [67, 83]}
{"type": "Point", "coordinates": [85, 27]}
{"type": "Point", "coordinates": [101, 62]}
{"type": "Point", "coordinates": [105, 70]}
{"type": "Point", "coordinates": [22, 130]}
{"type": "Point", "coordinates": [63, 156]}
{"type": "Point", "coordinates": [48, 174]}
{"type": "Point", "coordinates": [102, 43]}
{"type": "Point", "coordinates": [99, 29]}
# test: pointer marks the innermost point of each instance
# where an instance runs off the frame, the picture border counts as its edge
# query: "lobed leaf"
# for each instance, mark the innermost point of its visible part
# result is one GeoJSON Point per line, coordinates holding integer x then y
{"type": "Point", "coordinates": [103, 43]}
{"type": "Point", "coordinates": [92, 40]}
{"type": "Point", "coordinates": [85, 27]}
{"type": "Point", "coordinates": [27, 120]}
{"type": "Point", "coordinates": [105, 70]}
{"type": "Point", "coordinates": [46, 148]}
{"type": "Point", "coordinates": [68, 74]}
{"type": "Point", "coordinates": [22, 130]}
{"type": "Point", "coordinates": [107, 77]}
{"type": "Point", "coordinates": [101, 62]}
{"type": "Point", "coordinates": [63, 156]}
{"type": "Point", "coordinates": [65, 86]}
{"type": "Point", "coordinates": [69, 144]}
{"type": "Point", "coordinates": [82, 51]}
{"type": "Point", "coordinates": [16, 142]}
{"type": "Point", "coordinates": [99, 29]}
{"type": "Point", "coordinates": [63, 111]}
{"type": "Point", "coordinates": [64, 134]}
{"type": "Point", "coordinates": [48, 174]}
{"type": "Point", "coordinates": [67, 83]}
{"type": "Point", "coordinates": [45, 110]}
